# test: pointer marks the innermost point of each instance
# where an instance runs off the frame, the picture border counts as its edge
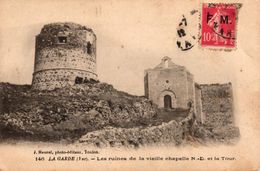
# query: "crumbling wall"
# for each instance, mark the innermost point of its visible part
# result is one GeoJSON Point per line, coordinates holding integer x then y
{"type": "Point", "coordinates": [198, 104]}
{"type": "Point", "coordinates": [146, 85]}
{"type": "Point", "coordinates": [67, 47]}
{"type": "Point", "coordinates": [166, 133]}
{"type": "Point", "coordinates": [217, 104]}
{"type": "Point", "coordinates": [76, 58]}
{"type": "Point", "coordinates": [190, 86]}
{"type": "Point", "coordinates": [55, 78]}
{"type": "Point", "coordinates": [1, 99]}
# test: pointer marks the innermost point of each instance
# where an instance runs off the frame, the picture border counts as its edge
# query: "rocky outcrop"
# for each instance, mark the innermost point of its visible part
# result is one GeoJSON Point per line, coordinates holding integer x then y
{"type": "Point", "coordinates": [69, 112]}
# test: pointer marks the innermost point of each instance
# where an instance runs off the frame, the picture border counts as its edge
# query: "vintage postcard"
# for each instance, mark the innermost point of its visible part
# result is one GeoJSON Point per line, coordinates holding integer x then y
{"type": "Point", "coordinates": [129, 85]}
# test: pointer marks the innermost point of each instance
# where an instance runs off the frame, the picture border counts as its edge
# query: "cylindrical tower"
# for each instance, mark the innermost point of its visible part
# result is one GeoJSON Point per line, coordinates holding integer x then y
{"type": "Point", "coordinates": [65, 54]}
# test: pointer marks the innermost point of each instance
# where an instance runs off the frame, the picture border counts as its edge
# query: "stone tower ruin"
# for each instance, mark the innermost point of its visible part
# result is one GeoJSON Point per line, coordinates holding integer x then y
{"type": "Point", "coordinates": [65, 54]}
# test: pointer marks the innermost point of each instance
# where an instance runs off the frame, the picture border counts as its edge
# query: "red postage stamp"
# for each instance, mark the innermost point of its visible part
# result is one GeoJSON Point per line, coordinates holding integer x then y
{"type": "Point", "coordinates": [218, 28]}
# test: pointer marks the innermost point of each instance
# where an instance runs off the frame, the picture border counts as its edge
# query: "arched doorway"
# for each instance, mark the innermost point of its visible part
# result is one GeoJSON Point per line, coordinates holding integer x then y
{"type": "Point", "coordinates": [167, 101]}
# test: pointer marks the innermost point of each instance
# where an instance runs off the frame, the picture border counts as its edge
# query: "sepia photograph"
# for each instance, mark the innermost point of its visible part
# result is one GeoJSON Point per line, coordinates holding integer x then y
{"type": "Point", "coordinates": [112, 85]}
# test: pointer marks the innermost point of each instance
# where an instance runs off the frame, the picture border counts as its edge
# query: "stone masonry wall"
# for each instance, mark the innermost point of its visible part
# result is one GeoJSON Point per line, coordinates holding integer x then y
{"type": "Point", "coordinates": [76, 58]}
{"type": "Point", "coordinates": [64, 48]}
{"type": "Point", "coordinates": [198, 105]}
{"type": "Point", "coordinates": [56, 78]}
{"type": "Point", "coordinates": [174, 80]}
{"type": "Point", "coordinates": [167, 133]}
{"type": "Point", "coordinates": [190, 87]}
{"type": "Point", "coordinates": [217, 104]}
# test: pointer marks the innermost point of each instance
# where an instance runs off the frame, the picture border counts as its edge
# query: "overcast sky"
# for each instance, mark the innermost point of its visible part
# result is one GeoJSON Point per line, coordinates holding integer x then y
{"type": "Point", "coordinates": [131, 37]}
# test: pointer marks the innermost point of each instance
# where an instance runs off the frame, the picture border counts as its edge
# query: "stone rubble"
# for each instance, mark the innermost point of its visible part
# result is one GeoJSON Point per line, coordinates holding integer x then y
{"type": "Point", "coordinates": [97, 114]}
{"type": "Point", "coordinates": [166, 133]}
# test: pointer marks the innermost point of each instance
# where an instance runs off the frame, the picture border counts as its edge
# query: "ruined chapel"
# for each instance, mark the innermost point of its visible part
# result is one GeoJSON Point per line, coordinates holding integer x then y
{"type": "Point", "coordinates": [170, 85]}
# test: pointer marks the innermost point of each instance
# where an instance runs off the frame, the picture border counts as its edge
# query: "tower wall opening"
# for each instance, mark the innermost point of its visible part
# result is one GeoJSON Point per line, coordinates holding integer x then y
{"type": "Point", "coordinates": [63, 52]}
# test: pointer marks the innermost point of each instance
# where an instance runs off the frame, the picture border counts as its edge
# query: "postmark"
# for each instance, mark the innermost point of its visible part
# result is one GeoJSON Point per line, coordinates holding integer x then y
{"type": "Point", "coordinates": [218, 25]}
{"type": "Point", "coordinates": [186, 31]}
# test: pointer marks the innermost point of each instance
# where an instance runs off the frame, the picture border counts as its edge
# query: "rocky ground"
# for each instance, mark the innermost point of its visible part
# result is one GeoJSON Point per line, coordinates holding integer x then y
{"type": "Point", "coordinates": [69, 112]}
{"type": "Point", "coordinates": [96, 113]}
